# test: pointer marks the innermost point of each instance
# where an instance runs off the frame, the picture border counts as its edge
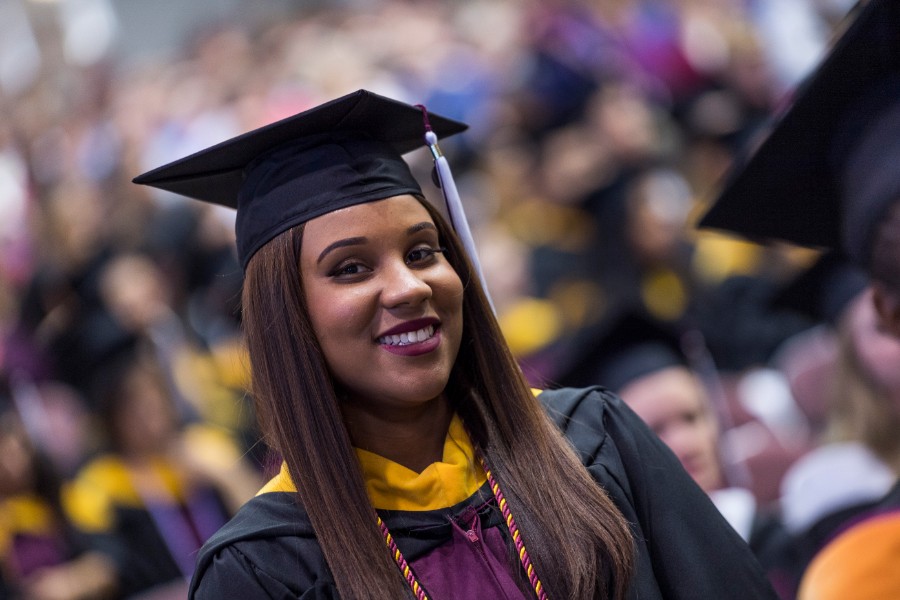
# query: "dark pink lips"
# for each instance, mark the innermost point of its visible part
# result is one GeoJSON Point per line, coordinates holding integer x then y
{"type": "Point", "coordinates": [412, 338]}
{"type": "Point", "coordinates": [408, 326]}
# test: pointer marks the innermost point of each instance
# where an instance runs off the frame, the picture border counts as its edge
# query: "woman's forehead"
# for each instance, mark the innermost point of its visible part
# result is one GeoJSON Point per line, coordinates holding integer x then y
{"type": "Point", "coordinates": [398, 210]}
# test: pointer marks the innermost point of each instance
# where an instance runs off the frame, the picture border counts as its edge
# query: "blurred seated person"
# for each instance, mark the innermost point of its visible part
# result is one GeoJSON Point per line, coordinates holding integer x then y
{"type": "Point", "coordinates": [40, 559]}
{"type": "Point", "coordinates": [649, 365]}
{"type": "Point", "coordinates": [205, 376]}
{"type": "Point", "coordinates": [857, 458]}
{"type": "Point", "coordinates": [161, 488]}
{"type": "Point", "coordinates": [842, 500]}
{"type": "Point", "coordinates": [825, 176]}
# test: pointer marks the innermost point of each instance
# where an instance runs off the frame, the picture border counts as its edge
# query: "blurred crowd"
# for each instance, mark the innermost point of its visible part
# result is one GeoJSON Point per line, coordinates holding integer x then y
{"type": "Point", "coordinates": [598, 132]}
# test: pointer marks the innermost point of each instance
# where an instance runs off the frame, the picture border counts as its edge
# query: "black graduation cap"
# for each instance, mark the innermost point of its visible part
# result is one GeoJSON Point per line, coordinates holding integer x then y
{"type": "Point", "coordinates": [823, 291]}
{"type": "Point", "coordinates": [344, 152]}
{"type": "Point", "coordinates": [827, 170]}
{"type": "Point", "coordinates": [628, 345]}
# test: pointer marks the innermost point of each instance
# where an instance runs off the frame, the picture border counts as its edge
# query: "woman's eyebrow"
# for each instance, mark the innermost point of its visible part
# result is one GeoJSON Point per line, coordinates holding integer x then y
{"type": "Point", "coordinates": [357, 241]}
{"type": "Point", "coordinates": [353, 241]}
{"type": "Point", "coordinates": [421, 226]}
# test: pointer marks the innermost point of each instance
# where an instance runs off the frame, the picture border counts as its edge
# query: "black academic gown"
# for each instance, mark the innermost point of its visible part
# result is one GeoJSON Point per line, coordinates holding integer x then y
{"type": "Point", "coordinates": [685, 548]}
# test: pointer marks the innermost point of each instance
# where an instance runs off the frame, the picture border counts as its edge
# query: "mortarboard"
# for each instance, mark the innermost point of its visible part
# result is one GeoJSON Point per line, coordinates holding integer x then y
{"type": "Point", "coordinates": [823, 291]}
{"type": "Point", "coordinates": [825, 173]}
{"type": "Point", "coordinates": [344, 152]}
{"type": "Point", "coordinates": [626, 346]}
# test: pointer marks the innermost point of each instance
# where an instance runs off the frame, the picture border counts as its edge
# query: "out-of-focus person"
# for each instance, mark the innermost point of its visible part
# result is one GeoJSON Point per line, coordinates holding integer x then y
{"type": "Point", "coordinates": [204, 376]}
{"type": "Point", "coordinates": [160, 487]}
{"type": "Point", "coordinates": [825, 176]}
{"type": "Point", "coordinates": [853, 409]}
{"type": "Point", "coordinates": [40, 557]}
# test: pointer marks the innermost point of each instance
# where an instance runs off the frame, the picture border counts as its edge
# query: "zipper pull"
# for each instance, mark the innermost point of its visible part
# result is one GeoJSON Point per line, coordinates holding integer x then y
{"type": "Point", "coordinates": [473, 537]}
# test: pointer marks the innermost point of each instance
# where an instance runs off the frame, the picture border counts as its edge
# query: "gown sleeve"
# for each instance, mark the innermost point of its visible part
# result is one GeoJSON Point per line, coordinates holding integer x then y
{"type": "Point", "coordinates": [230, 575]}
{"type": "Point", "coordinates": [233, 576]}
{"type": "Point", "coordinates": [685, 548]}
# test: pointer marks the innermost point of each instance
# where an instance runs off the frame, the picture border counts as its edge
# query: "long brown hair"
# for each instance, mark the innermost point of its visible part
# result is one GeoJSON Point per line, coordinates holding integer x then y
{"type": "Point", "coordinates": [578, 540]}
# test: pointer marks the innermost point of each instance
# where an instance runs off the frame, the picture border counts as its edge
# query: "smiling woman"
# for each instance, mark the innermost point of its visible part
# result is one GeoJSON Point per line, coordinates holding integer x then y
{"type": "Point", "coordinates": [416, 460]}
{"type": "Point", "coordinates": [384, 296]}
{"type": "Point", "coordinates": [370, 300]}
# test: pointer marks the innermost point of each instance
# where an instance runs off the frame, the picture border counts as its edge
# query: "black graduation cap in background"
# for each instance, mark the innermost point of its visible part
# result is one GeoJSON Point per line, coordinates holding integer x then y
{"type": "Point", "coordinates": [629, 344]}
{"type": "Point", "coordinates": [828, 168]}
{"type": "Point", "coordinates": [343, 152]}
{"type": "Point", "coordinates": [823, 291]}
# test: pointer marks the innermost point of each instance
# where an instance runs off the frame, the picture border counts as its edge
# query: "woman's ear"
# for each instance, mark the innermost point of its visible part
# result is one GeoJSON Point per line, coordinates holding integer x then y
{"type": "Point", "coordinates": [887, 308]}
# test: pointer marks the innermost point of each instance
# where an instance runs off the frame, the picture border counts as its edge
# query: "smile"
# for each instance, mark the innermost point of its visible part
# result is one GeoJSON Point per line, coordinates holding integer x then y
{"type": "Point", "coordinates": [410, 337]}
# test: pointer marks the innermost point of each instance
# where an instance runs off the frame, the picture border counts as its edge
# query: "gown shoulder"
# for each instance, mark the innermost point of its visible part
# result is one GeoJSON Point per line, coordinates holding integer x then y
{"type": "Point", "coordinates": [268, 550]}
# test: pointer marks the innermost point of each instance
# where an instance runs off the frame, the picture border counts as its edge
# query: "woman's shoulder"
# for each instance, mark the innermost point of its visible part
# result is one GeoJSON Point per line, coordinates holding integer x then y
{"type": "Point", "coordinates": [568, 403]}
{"type": "Point", "coordinates": [268, 547]}
{"type": "Point", "coordinates": [267, 515]}
{"type": "Point", "coordinates": [588, 416]}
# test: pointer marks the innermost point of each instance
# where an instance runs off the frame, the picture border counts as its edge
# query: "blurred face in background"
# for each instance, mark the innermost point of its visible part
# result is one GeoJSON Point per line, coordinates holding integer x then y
{"type": "Point", "coordinates": [674, 404]}
{"type": "Point", "coordinates": [135, 292]}
{"type": "Point", "coordinates": [145, 419]}
{"type": "Point", "coordinates": [877, 351]}
{"type": "Point", "coordinates": [864, 398]}
{"type": "Point", "coordinates": [16, 462]}
{"type": "Point", "coordinates": [885, 272]}
{"type": "Point", "coordinates": [659, 204]}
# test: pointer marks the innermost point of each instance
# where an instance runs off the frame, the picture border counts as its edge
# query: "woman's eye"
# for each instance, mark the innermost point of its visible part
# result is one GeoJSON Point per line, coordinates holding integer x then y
{"type": "Point", "coordinates": [423, 255]}
{"type": "Point", "coordinates": [348, 270]}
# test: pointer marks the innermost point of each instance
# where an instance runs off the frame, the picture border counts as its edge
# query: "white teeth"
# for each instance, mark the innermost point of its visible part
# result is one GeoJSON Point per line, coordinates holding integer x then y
{"type": "Point", "coordinates": [411, 337]}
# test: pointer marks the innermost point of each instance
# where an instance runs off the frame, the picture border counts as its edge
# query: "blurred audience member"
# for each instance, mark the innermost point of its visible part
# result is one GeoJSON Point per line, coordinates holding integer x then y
{"type": "Point", "coordinates": [856, 413]}
{"type": "Point", "coordinates": [161, 488]}
{"type": "Point", "coordinates": [825, 177]}
{"type": "Point", "coordinates": [40, 557]}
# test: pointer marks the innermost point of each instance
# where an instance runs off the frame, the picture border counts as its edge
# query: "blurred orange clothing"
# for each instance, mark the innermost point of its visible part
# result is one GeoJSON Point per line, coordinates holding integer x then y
{"type": "Point", "coordinates": [862, 563]}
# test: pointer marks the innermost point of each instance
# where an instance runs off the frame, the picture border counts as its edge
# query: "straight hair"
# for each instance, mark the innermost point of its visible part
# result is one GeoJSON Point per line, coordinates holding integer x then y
{"type": "Point", "coordinates": [579, 541]}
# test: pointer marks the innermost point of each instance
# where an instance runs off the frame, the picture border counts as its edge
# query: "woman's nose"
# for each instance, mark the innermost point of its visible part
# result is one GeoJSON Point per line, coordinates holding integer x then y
{"type": "Point", "coordinates": [404, 286]}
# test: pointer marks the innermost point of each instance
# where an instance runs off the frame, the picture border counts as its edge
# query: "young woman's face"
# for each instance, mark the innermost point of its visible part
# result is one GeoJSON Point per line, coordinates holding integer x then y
{"type": "Point", "coordinates": [384, 303]}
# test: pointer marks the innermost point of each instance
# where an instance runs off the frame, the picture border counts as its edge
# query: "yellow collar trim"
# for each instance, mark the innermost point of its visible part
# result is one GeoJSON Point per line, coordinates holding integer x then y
{"type": "Point", "coordinates": [280, 483]}
{"type": "Point", "coordinates": [392, 486]}
{"type": "Point", "coordinates": [457, 476]}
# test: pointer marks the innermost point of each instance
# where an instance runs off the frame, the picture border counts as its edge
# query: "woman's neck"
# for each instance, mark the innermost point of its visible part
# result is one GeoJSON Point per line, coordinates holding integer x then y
{"type": "Point", "coordinates": [413, 437]}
